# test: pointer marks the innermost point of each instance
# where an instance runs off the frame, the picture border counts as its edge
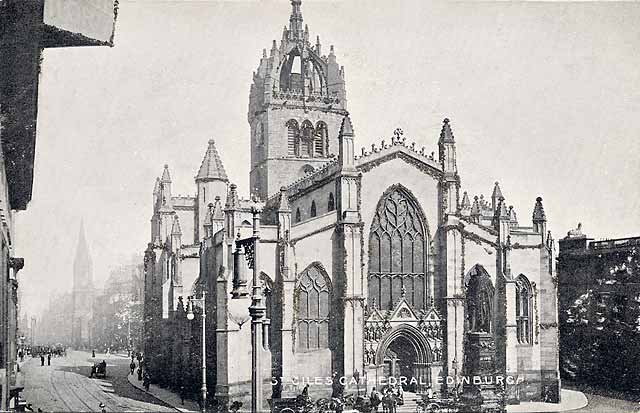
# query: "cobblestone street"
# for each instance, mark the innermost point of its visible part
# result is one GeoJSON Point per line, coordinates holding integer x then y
{"type": "Point", "coordinates": [65, 386]}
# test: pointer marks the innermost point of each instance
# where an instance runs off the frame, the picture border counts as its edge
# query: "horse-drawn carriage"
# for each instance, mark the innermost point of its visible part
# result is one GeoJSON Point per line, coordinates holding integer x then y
{"type": "Point", "coordinates": [99, 370]}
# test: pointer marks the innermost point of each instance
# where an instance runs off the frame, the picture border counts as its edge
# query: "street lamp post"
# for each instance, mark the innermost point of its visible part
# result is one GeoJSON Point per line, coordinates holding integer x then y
{"type": "Point", "coordinates": [257, 312]}
{"type": "Point", "coordinates": [191, 316]}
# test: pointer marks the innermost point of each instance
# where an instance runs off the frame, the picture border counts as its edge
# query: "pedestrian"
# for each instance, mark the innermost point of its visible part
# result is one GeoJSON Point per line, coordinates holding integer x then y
{"type": "Point", "coordinates": [146, 382]}
{"type": "Point", "coordinates": [375, 399]}
{"type": "Point", "coordinates": [49, 359]}
{"type": "Point", "coordinates": [140, 373]}
{"type": "Point", "coordinates": [93, 353]}
{"type": "Point", "coordinates": [132, 366]}
{"type": "Point", "coordinates": [93, 371]}
{"type": "Point", "coordinates": [182, 394]}
{"type": "Point", "coordinates": [41, 359]}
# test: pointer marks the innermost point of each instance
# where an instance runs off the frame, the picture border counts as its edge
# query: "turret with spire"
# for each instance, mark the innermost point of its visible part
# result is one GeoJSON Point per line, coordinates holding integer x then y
{"type": "Point", "coordinates": [495, 196]}
{"type": "Point", "coordinates": [164, 212]}
{"type": "Point", "coordinates": [211, 182]}
{"type": "Point", "coordinates": [447, 158]}
{"type": "Point", "coordinates": [539, 219]}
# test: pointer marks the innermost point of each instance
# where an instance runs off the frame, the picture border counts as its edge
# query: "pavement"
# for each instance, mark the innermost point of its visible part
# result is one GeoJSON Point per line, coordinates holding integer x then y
{"type": "Point", "coordinates": [569, 400]}
{"type": "Point", "coordinates": [166, 396]}
{"type": "Point", "coordinates": [64, 386]}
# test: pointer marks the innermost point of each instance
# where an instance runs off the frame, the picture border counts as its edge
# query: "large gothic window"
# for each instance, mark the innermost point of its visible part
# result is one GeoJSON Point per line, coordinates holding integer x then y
{"type": "Point", "coordinates": [397, 252]}
{"type": "Point", "coordinates": [523, 310]}
{"type": "Point", "coordinates": [480, 292]}
{"type": "Point", "coordinates": [313, 295]}
{"type": "Point", "coordinates": [292, 138]}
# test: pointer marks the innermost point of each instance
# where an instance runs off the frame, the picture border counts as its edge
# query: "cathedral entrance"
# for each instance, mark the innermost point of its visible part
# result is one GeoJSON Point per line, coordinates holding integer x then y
{"type": "Point", "coordinates": [400, 360]}
{"type": "Point", "coordinates": [405, 354]}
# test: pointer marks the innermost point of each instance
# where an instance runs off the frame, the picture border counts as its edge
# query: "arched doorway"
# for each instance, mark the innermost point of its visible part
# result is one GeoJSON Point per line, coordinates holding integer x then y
{"type": "Point", "coordinates": [405, 354]}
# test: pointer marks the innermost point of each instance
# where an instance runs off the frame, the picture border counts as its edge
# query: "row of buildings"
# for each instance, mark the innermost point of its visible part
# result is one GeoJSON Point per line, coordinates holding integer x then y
{"type": "Point", "coordinates": [26, 28]}
{"type": "Point", "coordinates": [88, 317]}
{"type": "Point", "coordinates": [365, 264]}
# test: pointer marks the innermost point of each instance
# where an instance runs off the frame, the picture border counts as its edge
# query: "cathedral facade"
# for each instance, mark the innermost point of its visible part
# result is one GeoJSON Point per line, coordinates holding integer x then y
{"type": "Point", "coordinates": [371, 264]}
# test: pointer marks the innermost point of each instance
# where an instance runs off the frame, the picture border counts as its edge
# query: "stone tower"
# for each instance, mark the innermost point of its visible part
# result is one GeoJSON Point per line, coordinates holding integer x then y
{"type": "Point", "coordinates": [83, 293]}
{"type": "Point", "coordinates": [296, 106]}
{"type": "Point", "coordinates": [211, 182]}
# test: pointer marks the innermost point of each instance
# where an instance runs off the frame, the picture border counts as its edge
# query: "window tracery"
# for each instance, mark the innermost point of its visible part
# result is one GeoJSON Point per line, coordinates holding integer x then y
{"type": "Point", "coordinates": [397, 252]}
{"type": "Point", "coordinates": [313, 294]}
{"type": "Point", "coordinates": [523, 310]}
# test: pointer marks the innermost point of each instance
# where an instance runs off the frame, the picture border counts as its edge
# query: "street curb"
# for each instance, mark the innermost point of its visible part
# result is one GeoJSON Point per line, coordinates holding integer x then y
{"type": "Point", "coordinates": [570, 400]}
{"type": "Point", "coordinates": [131, 378]}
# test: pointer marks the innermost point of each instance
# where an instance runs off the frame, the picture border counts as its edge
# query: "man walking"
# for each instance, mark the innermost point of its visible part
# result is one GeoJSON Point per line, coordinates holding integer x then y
{"type": "Point", "coordinates": [48, 359]}
{"type": "Point", "coordinates": [132, 366]}
{"type": "Point", "coordinates": [41, 359]}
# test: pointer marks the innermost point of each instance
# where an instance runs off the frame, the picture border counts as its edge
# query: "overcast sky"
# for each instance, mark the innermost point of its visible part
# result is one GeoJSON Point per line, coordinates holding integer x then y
{"type": "Point", "coordinates": [542, 97]}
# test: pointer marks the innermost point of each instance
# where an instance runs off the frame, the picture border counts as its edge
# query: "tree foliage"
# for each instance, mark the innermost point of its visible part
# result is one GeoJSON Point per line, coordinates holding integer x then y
{"type": "Point", "coordinates": [601, 329]}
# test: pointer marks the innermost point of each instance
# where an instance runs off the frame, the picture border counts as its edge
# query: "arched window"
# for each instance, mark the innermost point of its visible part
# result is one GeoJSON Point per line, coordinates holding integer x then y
{"type": "Point", "coordinates": [331, 205]}
{"type": "Point", "coordinates": [480, 292]}
{"type": "Point", "coordinates": [313, 295]}
{"type": "Point", "coordinates": [297, 214]}
{"type": "Point", "coordinates": [523, 310]}
{"type": "Point", "coordinates": [292, 138]}
{"type": "Point", "coordinates": [320, 139]}
{"type": "Point", "coordinates": [306, 139]}
{"type": "Point", "coordinates": [398, 247]}
{"type": "Point", "coordinates": [313, 212]}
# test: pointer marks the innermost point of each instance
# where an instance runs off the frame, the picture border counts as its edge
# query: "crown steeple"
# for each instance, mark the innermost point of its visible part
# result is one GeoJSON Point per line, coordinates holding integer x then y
{"type": "Point", "coordinates": [295, 21]}
{"type": "Point", "coordinates": [291, 81]}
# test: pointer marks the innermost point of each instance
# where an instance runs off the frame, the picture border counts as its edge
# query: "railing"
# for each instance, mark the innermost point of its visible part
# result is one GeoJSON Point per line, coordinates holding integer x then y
{"type": "Point", "coordinates": [308, 97]}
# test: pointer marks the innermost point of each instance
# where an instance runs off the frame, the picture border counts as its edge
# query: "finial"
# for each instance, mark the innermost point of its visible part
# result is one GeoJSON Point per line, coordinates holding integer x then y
{"type": "Point", "coordinates": [166, 166]}
{"type": "Point", "coordinates": [331, 49]}
{"type": "Point", "coordinates": [403, 292]}
{"type": "Point", "coordinates": [446, 120]}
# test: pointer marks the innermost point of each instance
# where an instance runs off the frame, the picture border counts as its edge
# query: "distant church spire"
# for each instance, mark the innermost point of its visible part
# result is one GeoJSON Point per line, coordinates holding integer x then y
{"type": "Point", "coordinates": [82, 265]}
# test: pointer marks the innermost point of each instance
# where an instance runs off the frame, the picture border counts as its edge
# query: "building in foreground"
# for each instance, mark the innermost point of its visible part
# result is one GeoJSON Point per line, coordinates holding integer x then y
{"type": "Point", "coordinates": [599, 296]}
{"type": "Point", "coordinates": [26, 28]}
{"type": "Point", "coordinates": [372, 264]}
